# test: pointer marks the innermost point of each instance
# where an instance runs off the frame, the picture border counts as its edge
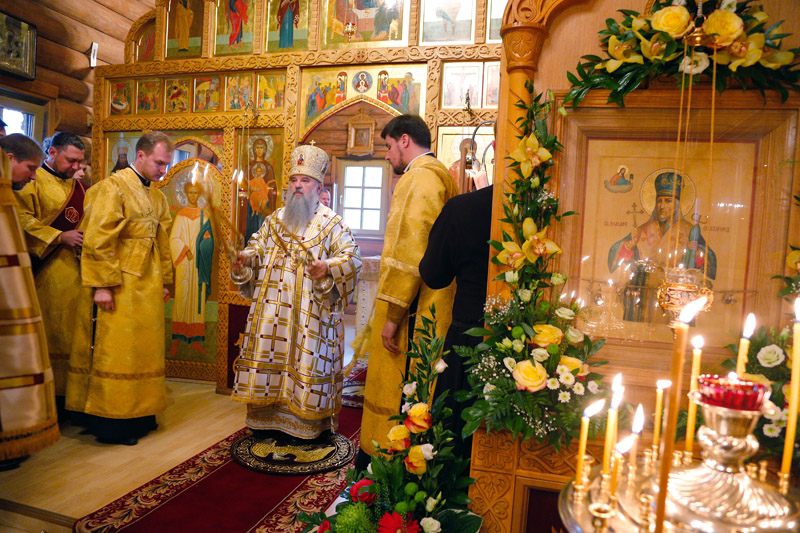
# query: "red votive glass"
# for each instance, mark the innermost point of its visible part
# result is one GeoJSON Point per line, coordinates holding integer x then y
{"type": "Point", "coordinates": [732, 393]}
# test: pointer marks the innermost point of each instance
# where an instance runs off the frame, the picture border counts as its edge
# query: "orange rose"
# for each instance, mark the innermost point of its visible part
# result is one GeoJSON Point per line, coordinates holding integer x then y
{"type": "Point", "coordinates": [419, 418]}
{"type": "Point", "coordinates": [415, 461]}
{"type": "Point", "coordinates": [399, 438]}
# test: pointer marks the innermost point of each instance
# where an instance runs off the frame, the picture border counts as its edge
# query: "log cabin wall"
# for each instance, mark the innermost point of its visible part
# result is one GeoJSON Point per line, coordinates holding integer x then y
{"type": "Point", "coordinates": [66, 30]}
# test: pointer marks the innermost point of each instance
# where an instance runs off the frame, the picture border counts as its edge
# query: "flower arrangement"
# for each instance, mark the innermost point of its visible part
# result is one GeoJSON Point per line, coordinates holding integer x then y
{"type": "Point", "coordinates": [792, 283]}
{"type": "Point", "coordinates": [418, 484]}
{"type": "Point", "coordinates": [738, 36]}
{"type": "Point", "coordinates": [531, 375]}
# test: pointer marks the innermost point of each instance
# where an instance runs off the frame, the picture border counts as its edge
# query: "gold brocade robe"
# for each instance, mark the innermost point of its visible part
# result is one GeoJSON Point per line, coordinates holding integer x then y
{"type": "Point", "coordinates": [116, 368]}
{"type": "Point", "coordinates": [289, 370]}
{"type": "Point", "coordinates": [58, 282]}
{"type": "Point", "coordinates": [28, 420]}
{"type": "Point", "coordinates": [418, 198]}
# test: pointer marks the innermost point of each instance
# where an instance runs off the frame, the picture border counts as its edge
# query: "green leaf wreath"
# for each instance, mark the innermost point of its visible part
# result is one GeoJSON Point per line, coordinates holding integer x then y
{"type": "Point", "coordinates": [531, 375]}
{"type": "Point", "coordinates": [418, 484]}
{"type": "Point", "coordinates": [745, 43]}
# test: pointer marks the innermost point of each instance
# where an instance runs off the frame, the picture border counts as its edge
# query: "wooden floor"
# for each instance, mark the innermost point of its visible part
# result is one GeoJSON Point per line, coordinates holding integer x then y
{"type": "Point", "coordinates": [77, 475]}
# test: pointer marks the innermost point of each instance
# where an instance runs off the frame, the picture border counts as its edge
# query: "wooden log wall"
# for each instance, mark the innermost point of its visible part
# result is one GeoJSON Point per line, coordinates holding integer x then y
{"type": "Point", "coordinates": [66, 30]}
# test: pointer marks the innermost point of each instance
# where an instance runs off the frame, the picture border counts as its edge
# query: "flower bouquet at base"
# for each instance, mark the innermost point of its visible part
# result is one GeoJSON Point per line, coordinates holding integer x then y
{"type": "Point", "coordinates": [532, 373]}
{"type": "Point", "coordinates": [737, 41]}
{"type": "Point", "coordinates": [416, 485]}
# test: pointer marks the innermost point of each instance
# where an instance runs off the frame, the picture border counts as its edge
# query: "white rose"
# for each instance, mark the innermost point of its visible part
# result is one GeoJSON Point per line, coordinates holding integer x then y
{"type": "Point", "coordinates": [573, 335]}
{"type": "Point", "coordinates": [518, 345]}
{"type": "Point", "coordinates": [557, 279]}
{"type": "Point", "coordinates": [565, 312]}
{"type": "Point", "coordinates": [593, 387]}
{"type": "Point", "coordinates": [540, 355]}
{"type": "Point", "coordinates": [552, 383]}
{"type": "Point", "coordinates": [563, 396]}
{"type": "Point", "coordinates": [430, 504]}
{"type": "Point", "coordinates": [697, 66]}
{"type": "Point", "coordinates": [427, 451]}
{"type": "Point", "coordinates": [785, 333]}
{"type": "Point", "coordinates": [509, 363]}
{"type": "Point", "coordinates": [525, 295]}
{"type": "Point", "coordinates": [771, 430]}
{"type": "Point", "coordinates": [578, 389]}
{"type": "Point", "coordinates": [406, 407]}
{"type": "Point", "coordinates": [440, 366]}
{"type": "Point", "coordinates": [566, 378]}
{"type": "Point", "coordinates": [507, 343]}
{"type": "Point", "coordinates": [770, 356]}
{"type": "Point", "coordinates": [728, 5]}
{"type": "Point", "coordinates": [410, 388]}
{"type": "Point", "coordinates": [430, 525]}
{"type": "Point", "coordinates": [511, 277]}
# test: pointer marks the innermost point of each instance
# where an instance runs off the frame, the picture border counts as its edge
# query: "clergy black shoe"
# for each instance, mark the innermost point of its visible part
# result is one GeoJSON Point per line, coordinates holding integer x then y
{"type": "Point", "coordinates": [11, 464]}
{"type": "Point", "coordinates": [127, 441]}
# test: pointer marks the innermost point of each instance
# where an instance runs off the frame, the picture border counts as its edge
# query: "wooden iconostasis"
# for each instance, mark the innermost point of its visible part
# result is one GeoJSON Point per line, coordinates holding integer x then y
{"type": "Point", "coordinates": [238, 84]}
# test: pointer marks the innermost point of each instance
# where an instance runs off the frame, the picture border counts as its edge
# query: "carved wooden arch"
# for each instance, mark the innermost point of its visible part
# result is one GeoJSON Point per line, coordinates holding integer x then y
{"type": "Point", "coordinates": [198, 140]}
{"type": "Point", "coordinates": [136, 27]}
{"type": "Point", "coordinates": [344, 105]}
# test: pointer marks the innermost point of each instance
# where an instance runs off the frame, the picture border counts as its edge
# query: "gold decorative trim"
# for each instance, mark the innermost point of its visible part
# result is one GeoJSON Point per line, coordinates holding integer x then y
{"type": "Point", "coordinates": [458, 117]}
{"type": "Point", "coordinates": [191, 370]}
{"type": "Point", "coordinates": [260, 25]}
{"type": "Point", "coordinates": [290, 124]}
{"type": "Point", "coordinates": [161, 30]}
{"type": "Point", "coordinates": [432, 98]}
{"type": "Point", "coordinates": [315, 23]}
{"type": "Point", "coordinates": [481, 20]}
{"type": "Point", "coordinates": [223, 318]}
{"type": "Point", "coordinates": [413, 29]}
{"type": "Point", "coordinates": [190, 138]}
{"type": "Point", "coordinates": [208, 28]}
{"type": "Point", "coordinates": [343, 105]}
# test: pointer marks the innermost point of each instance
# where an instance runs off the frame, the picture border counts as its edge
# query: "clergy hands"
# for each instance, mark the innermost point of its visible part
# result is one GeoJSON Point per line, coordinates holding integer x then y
{"type": "Point", "coordinates": [166, 295]}
{"type": "Point", "coordinates": [72, 238]}
{"type": "Point", "coordinates": [317, 269]}
{"type": "Point", "coordinates": [387, 335]}
{"type": "Point", "coordinates": [238, 263]}
{"type": "Point", "coordinates": [104, 299]}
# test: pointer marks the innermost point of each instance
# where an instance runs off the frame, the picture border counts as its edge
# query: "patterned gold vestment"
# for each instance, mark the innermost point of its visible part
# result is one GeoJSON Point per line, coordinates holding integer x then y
{"type": "Point", "coordinates": [289, 370]}
{"type": "Point", "coordinates": [418, 198]}
{"type": "Point", "coordinates": [28, 420]}
{"type": "Point", "coordinates": [116, 368]}
{"type": "Point", "coordinates": [58, 283]}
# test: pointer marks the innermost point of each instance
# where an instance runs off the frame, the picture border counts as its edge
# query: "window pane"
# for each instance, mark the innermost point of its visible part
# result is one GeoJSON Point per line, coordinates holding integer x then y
{"type": "Point", "coordinates": [15, 122]}
{"type": "Point", "coordinates": [353, 176]}
{"type": "Point", "coordinates": [352, 217]}
{"type": "Point", "coordinates": [352, 197]}
{"type": "Point", "coordinates": [372, 219]}
{"type": "Point", "coordinates": [373, 176]}
{"type": "Point", "coordinates": [372, 198]}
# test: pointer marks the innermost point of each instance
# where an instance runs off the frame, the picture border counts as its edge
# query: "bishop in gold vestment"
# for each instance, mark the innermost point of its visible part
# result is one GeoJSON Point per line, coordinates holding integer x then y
{"type": "Point", "coordinates": [418, 198]}
{"type": "Point", "coordinates": [28, 420]}
{"type": "Point", "coordinates": [289, 370]}
{"type": "Point", "coordinates": [51, 210]}
{"type": "Point", "coordinates": [116, 369]}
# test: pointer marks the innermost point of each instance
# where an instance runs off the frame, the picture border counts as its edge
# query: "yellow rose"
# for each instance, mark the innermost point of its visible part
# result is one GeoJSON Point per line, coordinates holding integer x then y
{"type": "Point", "coordinates": [724, 26]}
{"type": "Point", "coordinates": [415, 461]}
{"type": "Point", "coordinates": [399, 438]}
{"type": "Point", "coordinates": [572, 363]}
{"type": "Point", "coordinates": [419, 418]}
{"type": "Point", "coordinates": [793, 260]}
{"type": "Point", "coordinates": [547, 335]}
{"type": "Point", "coordinates": [530, 376]}
{"type": "Point", "coordinates": [675, 20]}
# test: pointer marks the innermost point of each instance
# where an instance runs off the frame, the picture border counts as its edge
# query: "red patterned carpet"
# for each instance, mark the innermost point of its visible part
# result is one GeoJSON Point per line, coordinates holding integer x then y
{"type": "Point", "coordinates": [211, 493]}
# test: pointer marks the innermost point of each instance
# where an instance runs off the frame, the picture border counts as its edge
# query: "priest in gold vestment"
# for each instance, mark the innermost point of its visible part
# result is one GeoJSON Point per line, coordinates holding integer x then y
{"type": "Point", "coordinates": [51, 210]}
{"type": "Point", "coordinates": [418, 198]}
{"type": "Point", "coordinates": [116, 369]}
{"type": "Point", "coordinates": [289, 370]}
{"type": "Point", "coordinates": [28, 420]}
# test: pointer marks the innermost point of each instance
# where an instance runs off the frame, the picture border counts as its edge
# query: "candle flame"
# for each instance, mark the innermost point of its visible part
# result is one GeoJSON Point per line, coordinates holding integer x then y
{"type": "Point", "coordinates": [749, 326]}
{"type": "Point", "coordinates": [638, 420]}
{"type": "Point", "coordinates": [691, 309]}
{"type": "Point", "coordinates": [663, 384]}
{"type": "Point", "coordinates": [697, 342]}
{"type": "Point", "coordinates": [797, 309]}
{"type": "Point", "coordinates": [625, 444]}
{"type": "Point", "coordinates": [593, 409]}
{"type": "Point", "coordinates": [617, 398]}
{"type": "Point", "coordinates": [240, 177]}
{"type": "Point", "coordinates": [616, 383]}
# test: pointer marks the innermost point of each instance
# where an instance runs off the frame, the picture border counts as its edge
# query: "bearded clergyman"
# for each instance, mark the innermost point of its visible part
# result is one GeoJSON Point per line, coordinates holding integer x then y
{"type": "Point", "coordinates": [305, 263]}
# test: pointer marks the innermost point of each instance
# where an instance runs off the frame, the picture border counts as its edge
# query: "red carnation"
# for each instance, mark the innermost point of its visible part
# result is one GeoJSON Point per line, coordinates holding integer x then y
{"type": "Point", "coordinates": [358, 496]}
{"type": "Point", "coordinates": [324, 526]}
{"type": "Point", "coordinates": [394, 523]}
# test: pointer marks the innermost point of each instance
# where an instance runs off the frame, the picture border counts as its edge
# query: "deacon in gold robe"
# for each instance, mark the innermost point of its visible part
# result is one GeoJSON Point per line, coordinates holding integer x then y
{"type": "Point", "coordinates": [289, 370]}
{"type": "Point", "coordinates": [116, 369]}
{"type": "Point", "coordinates": [51, 210]}
{"type": "Point", "coordinates": [402, 295]}
{"type": "Point", "coordinates": [28, 419]}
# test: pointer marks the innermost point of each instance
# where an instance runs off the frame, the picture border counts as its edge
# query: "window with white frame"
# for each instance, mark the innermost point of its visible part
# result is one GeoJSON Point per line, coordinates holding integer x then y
{"type": "Point", "coordinates": [22, 117]}
{"type": "Point", "coordinates": [363, 189]}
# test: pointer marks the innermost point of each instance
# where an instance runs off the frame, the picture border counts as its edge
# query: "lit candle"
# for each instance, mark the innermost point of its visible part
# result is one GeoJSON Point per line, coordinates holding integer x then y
{"type": "Point", "coordinates": [636, 431]}
{"type": "Point", "coordinates": [661, 384]}
{"type": "Point", "coordinates": [588, 413]}
{"type": "Point", "coordinates": [679, 350]}
{"type": "Point", "coordinates": [744, 343]}
{"type": "Point", "coordinates": [621, 448]}
{"type": "Point", "coordinates": [794, 394]}
{"type": "Point", "coordinates": [611, 422]}
{"type": "Point", "coordinates": [697, 343]}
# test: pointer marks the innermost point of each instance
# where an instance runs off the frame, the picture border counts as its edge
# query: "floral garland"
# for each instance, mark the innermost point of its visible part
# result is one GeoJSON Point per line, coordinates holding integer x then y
{"type": "Point", "coordinates": [792, 283]}
{"type": "Point", "coordinates": [641, 48]}
{"type": "Point", "coordinates": [418, 484]}
{"type": "Point", "coordinates": [531, 374]}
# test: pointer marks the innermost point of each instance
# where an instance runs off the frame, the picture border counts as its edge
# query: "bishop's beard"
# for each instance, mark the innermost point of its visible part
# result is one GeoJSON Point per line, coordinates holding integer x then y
{"type": "Point", "coordinates": [299, 210]}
